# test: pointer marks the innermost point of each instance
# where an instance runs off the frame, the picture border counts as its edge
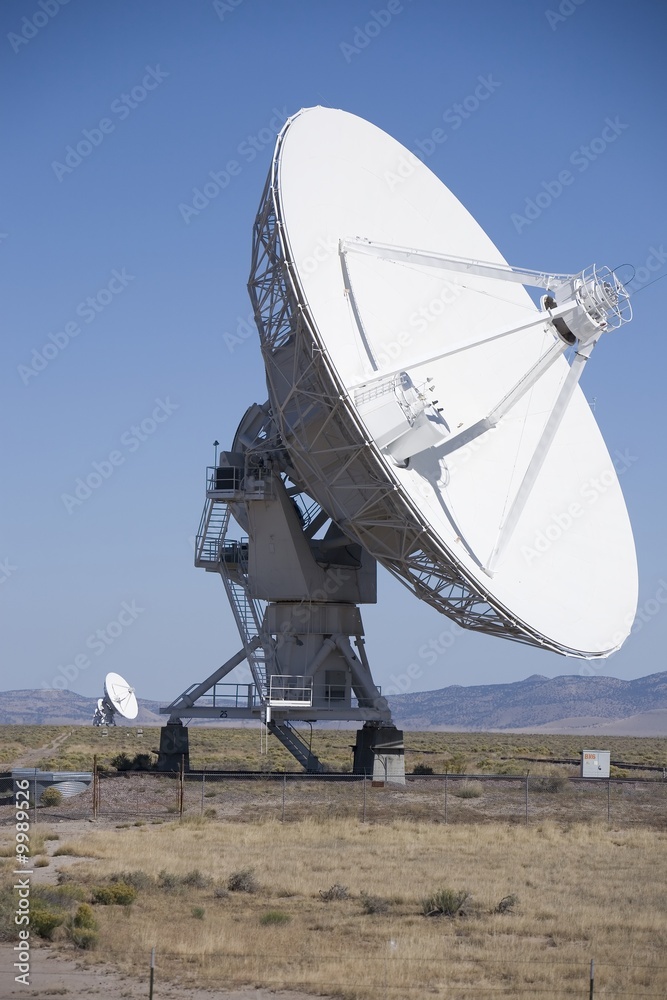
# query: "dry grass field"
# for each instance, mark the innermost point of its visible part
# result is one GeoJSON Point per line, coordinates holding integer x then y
{"type": "Point", "coordinates": [537, 901]}
{"type": "Point", "coordinates": [73, 747]}
{"type": "Point", "coordinates": [580, 891]}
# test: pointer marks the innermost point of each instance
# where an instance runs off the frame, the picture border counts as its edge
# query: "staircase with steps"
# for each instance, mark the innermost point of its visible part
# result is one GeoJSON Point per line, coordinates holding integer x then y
{"type": "Point", "coordinates": [291, 740]}
{"type": "Point", "coordinates": [212, 530]}
{"type": "Point", "coordinates": [230, 560]}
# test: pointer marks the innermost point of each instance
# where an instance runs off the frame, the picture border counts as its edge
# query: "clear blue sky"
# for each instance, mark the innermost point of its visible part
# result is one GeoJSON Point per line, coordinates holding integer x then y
{"type": "Point", "coordinates": [172, 91]}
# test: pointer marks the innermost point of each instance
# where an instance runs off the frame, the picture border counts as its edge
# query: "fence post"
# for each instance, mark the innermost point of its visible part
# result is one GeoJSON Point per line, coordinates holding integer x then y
{"type": "Point", "coordinates": [152, 974]}
{"type": "Point", "coordinates": [181, 779]}
{"type": "Point", "coordinates": [282, 817]}
{"type": "Point", "coordinates": [527, 773]}
{"type": "Point", "coordinates": [364, 819]}
{"type": "Point", "coordinates": [95, 779]}
{"type": "Point", "coordinates": [609, 801]}
{"type": "Point", "coordinates": [446, 784]}
{"type": "Point", "coordinates": [591, 989]}
{"type": "Point", "coordinates": [202, 792]}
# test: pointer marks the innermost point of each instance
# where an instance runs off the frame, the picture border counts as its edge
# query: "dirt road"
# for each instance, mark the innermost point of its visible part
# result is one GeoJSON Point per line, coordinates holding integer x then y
{"type": "Point", "coordinates": [53, 977]}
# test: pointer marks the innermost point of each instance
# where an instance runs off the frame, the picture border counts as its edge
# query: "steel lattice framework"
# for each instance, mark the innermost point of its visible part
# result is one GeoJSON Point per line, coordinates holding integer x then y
{"type": "Point", "coordinates": [329, 450]}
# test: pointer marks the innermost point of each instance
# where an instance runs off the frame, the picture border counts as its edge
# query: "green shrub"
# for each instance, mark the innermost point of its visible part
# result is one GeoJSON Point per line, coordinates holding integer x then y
{"type": "Point", "coordinates": [469, 790]}
{"type": "Point", "coordinates": [445, 903]}
{"type": "Point", "coordinates": [170, 881]}
{"type": "Point", "coordinates": [140, 762]}
{"type": "Point", "coordinates": [85, 918]}
{"type": "Point", "coordinates": [51, 797]}
{"type": "Point", "coordinates": [60, 895]}
{"type": "Point", "coordinates": [123, 894]}
{"type": "Point", "coordinates": [198, 912]}
{"type": "Point", "coordinates": [274, 917]}
{"type": "Point", "coordinates": [44, 921]}
{"type": "Point", "coordinates": [243, 881]}
{"type": "Point", "coordinates": [548, 783]}
{"type": "Point", "coordinates": [196, 879]}
{"type": "Point", "coordinates": [210, 813]}
{"type": "Point", "coordinates": [422, 769]}
{"type": "Point", "coordinates": [138, 879]}
{"type": "Point", "coordinates": [507, 767]}
{"type": "Point", "coordinates": [7, 908]}
{"type": "Point", "coordinates": [167, 880]}
{"type": "Point", "coordinates": [102, 894]}
{"type": "Point", "coordinates": [118, 893]}
{"type": "Point", "coordinates": [121, 762]}
{"type": "Point", "coordinates": [83, 937]}
{"type": "Point", "coordinates": [457, 764]}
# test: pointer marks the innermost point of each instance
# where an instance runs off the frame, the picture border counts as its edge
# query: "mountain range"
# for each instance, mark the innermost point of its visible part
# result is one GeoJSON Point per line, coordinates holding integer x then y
{"type": "Point", "coordinates": [558, 704]}
{"type": "Point", "coordinates": [604, 705]}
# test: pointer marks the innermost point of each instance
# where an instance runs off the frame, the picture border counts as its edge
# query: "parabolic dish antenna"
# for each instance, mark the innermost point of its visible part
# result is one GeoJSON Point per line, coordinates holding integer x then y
{"type": "Point", "coordinates": [119, 699]}
{"type": "Point", "coordinates": [427, 404]}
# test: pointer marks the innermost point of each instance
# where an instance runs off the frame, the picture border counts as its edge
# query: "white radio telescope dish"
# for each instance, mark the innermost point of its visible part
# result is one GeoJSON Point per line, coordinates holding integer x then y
{"type": "Point", "coordinates": [427, 404]}
{"type": "Point", "coordinates": [121, 695]}
{"type": "Point", "coordinates": [119, 699]}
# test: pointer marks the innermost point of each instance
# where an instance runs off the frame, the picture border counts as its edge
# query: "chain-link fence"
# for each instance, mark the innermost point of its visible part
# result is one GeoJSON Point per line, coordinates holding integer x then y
{"type": "Point", "coordinates": [136, 796]}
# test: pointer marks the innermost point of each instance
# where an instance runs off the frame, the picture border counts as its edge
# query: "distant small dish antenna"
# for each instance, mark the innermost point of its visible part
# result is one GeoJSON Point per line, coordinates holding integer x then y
{"type": "Point", "coordinates": [119, 699]}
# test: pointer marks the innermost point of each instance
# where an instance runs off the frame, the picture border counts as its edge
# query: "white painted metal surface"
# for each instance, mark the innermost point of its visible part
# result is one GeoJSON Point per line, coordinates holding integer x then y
{"type": "Point", "coordinates": [595, 763]}
{"type": "Point", "coordinates": [563, 575]}
{"type": "Point", "coordinates": [121, 696]}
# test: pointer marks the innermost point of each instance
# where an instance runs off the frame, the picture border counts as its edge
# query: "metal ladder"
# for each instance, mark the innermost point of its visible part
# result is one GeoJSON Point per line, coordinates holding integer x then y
{"type": "Point", "coordinates": [248, 613]}
{"type": "Point", "coordinates": [211, 534]}
{"type": "Point", "coordinates": [214, 553]}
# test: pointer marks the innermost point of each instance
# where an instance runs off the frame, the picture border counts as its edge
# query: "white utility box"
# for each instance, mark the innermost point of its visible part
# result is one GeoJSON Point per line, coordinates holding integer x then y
{"type": "Point", "coordinates": [595, 763]}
